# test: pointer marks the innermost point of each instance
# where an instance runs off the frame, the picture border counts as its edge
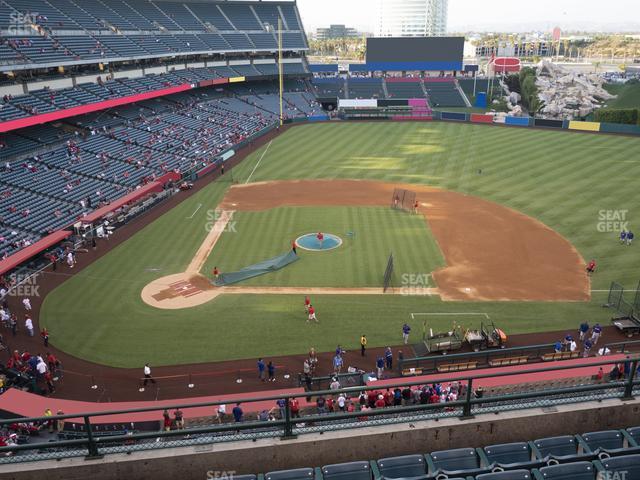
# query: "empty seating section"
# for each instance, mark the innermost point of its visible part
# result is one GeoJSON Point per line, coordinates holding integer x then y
{"type": "Point", "coordinates": [443, 94]}
{"type": "Point", "coordinates": [69, 175]}
{"type": "Point", "coordinates": [482, 85]}
{"type": "Point", "coordinates": [241, 16]}
{"type": "Point", "coordinates": [110, 29]}
{"type": "Point", "coordinates": [329, 87]}
{"type": "Point", "coordinates": [498, 462]}
{"type": "Point", "coordinates": [409, 89]}
{"type": "Point", "coordinates": [365, 88]}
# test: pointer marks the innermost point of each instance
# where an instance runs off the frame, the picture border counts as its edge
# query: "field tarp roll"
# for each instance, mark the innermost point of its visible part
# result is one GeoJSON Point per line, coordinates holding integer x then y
{"type": "Point", "coordinates": [257, 269]}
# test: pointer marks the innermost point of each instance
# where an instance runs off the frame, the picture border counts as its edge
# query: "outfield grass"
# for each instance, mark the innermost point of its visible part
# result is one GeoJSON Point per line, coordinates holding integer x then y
{"type": "Point", "coordinates": [564, 179]}
{"type": "Point", "coordinates": [628, 96]}
{"type": "Point", "coordinates": [369, 234]}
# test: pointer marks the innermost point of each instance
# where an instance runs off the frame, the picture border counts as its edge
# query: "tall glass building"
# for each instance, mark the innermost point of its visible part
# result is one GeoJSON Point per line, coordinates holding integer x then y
{"type": "Point", "coordinates": [412, 18]}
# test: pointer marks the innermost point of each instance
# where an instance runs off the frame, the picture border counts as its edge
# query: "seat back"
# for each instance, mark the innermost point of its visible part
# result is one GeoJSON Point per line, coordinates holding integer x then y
{"type": "Point", "coordinates": [347, 471]}
{"type": "Point", "coordinates": [245, 477]}
{"type": "Point", "coordinates": [295, 474]}
{"type": "Point", "coordinates": [458, 459]}
{"type": "Point", "coordinates": [627, 463]}
{"type": "Point", "coordinates": [634, 433]}
{"type": "Point", "coordinates": [569, 471]}
{"type": "Point", "coordinates": [507, 475]}
{"type": "Point", "coordinates": [607, 439]}
{"type": "Point", "coordinates": [405, 466]}
{"type": "Point", "coordinates": [508, 453]}
{"type": "Point", "coordinates": [562, 446]}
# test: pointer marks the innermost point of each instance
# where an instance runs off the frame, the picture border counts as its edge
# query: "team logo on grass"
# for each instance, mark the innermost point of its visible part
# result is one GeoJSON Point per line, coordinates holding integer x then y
{"type": "Point", "coordinates": [216, 223]}
{"type": "Point", "coordinates": [612, 221]}
{"type": "Point", "coordinates": [416, 284]}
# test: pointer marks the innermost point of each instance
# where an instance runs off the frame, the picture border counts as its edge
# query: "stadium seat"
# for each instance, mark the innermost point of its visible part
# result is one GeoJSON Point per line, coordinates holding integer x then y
{"type": "Point", "coordinates": [512, 455]}
{"type": "Point", "coordinates": [347, 471]}
{"type": "Point", "coordinates": [633, 435]}
{"type": "Point", "coordinates": [460, 461]}
{"type": "Point", "coordinates": [606, 441]}
{"type": "Point", "coordinates": [627, 463]}
{"type": "Point", "coordinates": [245, 477]}
{"type": "Point", "coordinates": [567, 471]}
{"type": "Point", "coordinates": [295, 474]}
{"type": "Point", "coordinates": [400, 467]}
{"type": "Point", "coordinates": [565, 448]}
{"type": "Point", "coordinates": [506, 475]}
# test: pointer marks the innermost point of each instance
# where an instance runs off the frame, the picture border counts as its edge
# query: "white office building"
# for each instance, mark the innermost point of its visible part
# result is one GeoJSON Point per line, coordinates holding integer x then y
{"type": "Point", "coordinates": [412, 18]}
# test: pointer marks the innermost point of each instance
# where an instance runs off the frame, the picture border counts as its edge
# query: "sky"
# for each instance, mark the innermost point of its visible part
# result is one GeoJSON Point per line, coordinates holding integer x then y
{"type": "Point", "coordinates": [480, 15]}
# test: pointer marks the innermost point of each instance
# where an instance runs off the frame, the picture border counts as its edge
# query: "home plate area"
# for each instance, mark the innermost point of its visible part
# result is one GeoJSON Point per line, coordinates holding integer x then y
{"type": "Point", "coordinates": [185, 288]}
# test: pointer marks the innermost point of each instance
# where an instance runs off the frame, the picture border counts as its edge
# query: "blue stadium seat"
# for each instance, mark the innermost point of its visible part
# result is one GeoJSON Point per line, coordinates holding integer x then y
{"type": "Point", "coordinates": [405, 466]}
{"type": "Point", "coordinates": [513, 455]}
{"type": "Point", "coordinates": [347, 471]}
{"type": "Point", "coordinates": [626, 463]}
{"type": "Point", "coordinates": [295, 474]}
{"type": "Point", "coordinates": [459, 461]}
{"type": "Point", "coordinates": [564, 448]}
{"type": "Point", "coordinates": [567, 471]}
{"type": "Point", "coordinates": [506, 475]}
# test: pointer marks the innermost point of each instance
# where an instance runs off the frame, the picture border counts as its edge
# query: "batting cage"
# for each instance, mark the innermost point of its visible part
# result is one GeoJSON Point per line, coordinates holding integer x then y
{"type": "Point", "coordinates": [403, 199]}
{"type": "Point", "coordinates": [625, 302]}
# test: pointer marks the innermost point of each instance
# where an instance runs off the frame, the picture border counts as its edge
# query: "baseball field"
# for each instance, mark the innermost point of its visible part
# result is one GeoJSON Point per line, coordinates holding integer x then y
{"type": "Point", "coordinates": [506, 221]}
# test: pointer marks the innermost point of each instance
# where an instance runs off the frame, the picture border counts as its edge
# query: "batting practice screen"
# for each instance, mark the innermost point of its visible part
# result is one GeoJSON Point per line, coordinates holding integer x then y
{"type": "Point", "coordinates": [415, 49]}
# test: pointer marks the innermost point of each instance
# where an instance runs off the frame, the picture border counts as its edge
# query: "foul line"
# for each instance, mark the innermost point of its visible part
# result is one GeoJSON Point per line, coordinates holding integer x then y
{"type": "Point", "coordinates": [485, 315]}
{"type": "Point", "coordinates": [259, 160]}
{"type": "Point", "coordinates": [194, 213]}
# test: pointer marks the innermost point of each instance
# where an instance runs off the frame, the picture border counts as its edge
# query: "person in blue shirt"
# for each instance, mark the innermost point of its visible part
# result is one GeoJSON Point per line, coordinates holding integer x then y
{"type": "Point", "coordinates": [623, 236]}
{"type": "Point", "coordinates": [380, 366]}
{"type": "Point", "coordinates": [629, 237]}
{"type": "Point", "coordinates": [406, 329]}
{"type": "Point", "coordinates": [595, 333]}
{"type": "Point", "coordinates": [388, 357]}
{"type": "Point", "coordinates": [558, 346]}
{"type": "Point", "coordinates": [584, 329]}
{"type": "Point", "coordinates": [337, 364]}
{"type": "Point", "coordinates": [237, 413]}
{"type": "Point", "coordinates": [261, 367]}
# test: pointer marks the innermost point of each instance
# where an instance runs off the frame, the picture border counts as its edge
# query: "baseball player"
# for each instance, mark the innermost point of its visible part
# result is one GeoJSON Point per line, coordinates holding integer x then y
{"type": "Point", "coordinates": [591, 267]}
{"type": "Point", "coordinates": [623, 236]}
{"type": "Point", "coordinates": [312, 314]}
{"type": "Point", "coordinates": [216, 273]}
{"type": "Point", "coordinates": [307, 303]}
{"type": "Point", "coordinates": [629, 237]}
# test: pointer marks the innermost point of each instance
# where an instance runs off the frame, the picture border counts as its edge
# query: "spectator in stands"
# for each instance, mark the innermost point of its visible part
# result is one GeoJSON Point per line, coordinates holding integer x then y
{"type": "Point", "coordinates": [321, 405]}
{"type": "Point", "coordinates": [166, 421]}
{"type": "Point", "coordinates": [59, 423]}
{"type": "Point", "coordinates": [294, 406]}
{"type": "Point", "coordinates": [221, 413]}
{"type": "Point", "coordinates": [179, 419]}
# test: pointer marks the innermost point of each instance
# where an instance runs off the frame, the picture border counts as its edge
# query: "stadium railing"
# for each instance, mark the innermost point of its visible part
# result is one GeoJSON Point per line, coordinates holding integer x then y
{"type": "Point", "coordinates": [287, 426]}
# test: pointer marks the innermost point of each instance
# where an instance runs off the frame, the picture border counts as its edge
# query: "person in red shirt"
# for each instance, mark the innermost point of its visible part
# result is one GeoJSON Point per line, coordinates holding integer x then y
{"type": "Point", "coordinates": [380, 403]}
{"type": "Point", "coordinates": [216, 272]}
{"type": "Point", "coordinates": [415, 206]}
{"type": "Point", "coordinates": [312, 314]}
{"type": "Point", "coordinates": [591, 267]}
{"type": "Point", "coordinates": [320, 237]}
{"type": "Point", "coordinates": [307, 303]}
{"type": "Point", "coordinates": [295, 408]}
{"type": "Point", "coordinates": [294, 247]}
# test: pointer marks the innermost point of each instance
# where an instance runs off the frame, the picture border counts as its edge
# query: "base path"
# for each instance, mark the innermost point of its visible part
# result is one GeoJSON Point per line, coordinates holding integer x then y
{"type": "Point", "coordinates": [492, 252]}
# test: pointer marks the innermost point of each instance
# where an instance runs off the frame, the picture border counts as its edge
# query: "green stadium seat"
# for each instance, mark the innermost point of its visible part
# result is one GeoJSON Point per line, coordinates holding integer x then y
{"type": "Point", "coordinates": [604, 441]}
{"type": "Point", "coordinates": [562, 448]}
{"type": "Point", "coordinates": [627, 463]}
{"type": "Point", "coordinates": [506, 475]}
{"type": "Point", "coordinates": [633, 434]}
{"type": "Point", "coordinates": [513, 455]}
{"type": "Point", "coordinates": [400, 467]}
{"type": "Point", "coordinates": [459, 461]}
{"type": "Point", "coordinates": [295, 474]}
{"type": "Point", "coordinates": [567, 471]}
{"type": "Point", "coordinates": [347, 471]}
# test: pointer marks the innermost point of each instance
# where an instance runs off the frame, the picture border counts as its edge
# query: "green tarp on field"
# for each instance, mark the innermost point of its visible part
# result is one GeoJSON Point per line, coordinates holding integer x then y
{"type": "Point", "coordinates": [261, 268]}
